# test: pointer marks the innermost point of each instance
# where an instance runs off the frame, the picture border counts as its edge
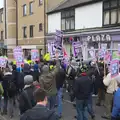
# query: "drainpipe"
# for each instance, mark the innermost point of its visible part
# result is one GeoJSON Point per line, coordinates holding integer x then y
{"type": "Point", "coordinates": [45, 26]}
{"type": "Point", "coordinates": [16, 22]}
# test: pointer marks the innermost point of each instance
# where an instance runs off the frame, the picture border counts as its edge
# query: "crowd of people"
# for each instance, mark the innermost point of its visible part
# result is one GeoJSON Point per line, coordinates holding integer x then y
{"type": "Point", "coordinates": [38, 88]}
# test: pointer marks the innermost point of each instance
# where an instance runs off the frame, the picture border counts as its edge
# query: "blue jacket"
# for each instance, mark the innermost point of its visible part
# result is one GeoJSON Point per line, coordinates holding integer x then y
{"type": "Point", "coordinates": [116, 105]}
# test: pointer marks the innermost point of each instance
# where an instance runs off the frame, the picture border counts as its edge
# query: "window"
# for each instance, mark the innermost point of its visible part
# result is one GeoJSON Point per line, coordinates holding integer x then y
{"type": "Point", "coordinates": [68, 20]}
{"type": "Point", "coordinates": [31, 8]}
{"type": "Point", "coordinates": [40, 2]}
{"type": "Point", "coordinates": [1, 17]}
{"type": "Point", "coordinates": [1, 35]}
{"type": "Point", "coordinates": [31, 30]}
{"type": "Point", "coordinates": [24, 32]}
{"type": "Point", "coordinates": [40, 27]}
{"type": "Point", "coordinates": [24, 10]}
{"type": "Point", "coordinates": [111, 11]}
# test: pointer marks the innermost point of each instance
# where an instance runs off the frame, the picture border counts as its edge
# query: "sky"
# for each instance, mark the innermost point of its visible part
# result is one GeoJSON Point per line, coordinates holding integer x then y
{"type": "Point", "coordinates": [1, 3]}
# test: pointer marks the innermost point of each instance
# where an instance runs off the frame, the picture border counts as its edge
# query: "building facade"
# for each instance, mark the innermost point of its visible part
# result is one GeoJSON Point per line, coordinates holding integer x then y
{"type": "Point", "coordinates": [93, 23]}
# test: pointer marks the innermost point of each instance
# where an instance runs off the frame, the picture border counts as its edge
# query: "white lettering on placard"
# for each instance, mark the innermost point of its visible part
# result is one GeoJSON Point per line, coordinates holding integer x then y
{"type": "Point", "coordinates": [98, 38]}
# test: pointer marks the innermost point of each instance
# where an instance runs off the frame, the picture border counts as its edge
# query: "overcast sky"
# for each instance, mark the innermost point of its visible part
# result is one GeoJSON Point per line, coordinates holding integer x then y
{"type": "Point", "coordinates": [1, 3]}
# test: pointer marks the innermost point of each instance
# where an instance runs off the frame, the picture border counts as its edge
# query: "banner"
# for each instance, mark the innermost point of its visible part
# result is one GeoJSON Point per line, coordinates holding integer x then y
{"type": "Point", "coordinates": [114, 68]}
{"type": "Point", "coordinates": [58, 40]}
{"type": "Point", "coordinates": [18, 55]}
{"type": "Point", "coordinates": [92, 52]}
{"type": "Point", "coordinates": [77, 49]}
{"type": "Point", "coordinates": [3, 62]}
{"type": "Point", "coordinates": [34, 55]}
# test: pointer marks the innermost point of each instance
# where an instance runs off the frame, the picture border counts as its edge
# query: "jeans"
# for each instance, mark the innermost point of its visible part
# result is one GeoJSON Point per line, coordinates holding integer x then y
{"type": "Point", "coordinates": [5, 104]}
{"type": "Point", "coordinates": [90, 106]}
{"type": "Point", "coordinates": [51, 102]}
{"type": "Point", "coordinates": [10, 106]}
{"type": "Point", "coordinates": [81, 107]}
{"type": "Point", "coordinates": [60, 92]}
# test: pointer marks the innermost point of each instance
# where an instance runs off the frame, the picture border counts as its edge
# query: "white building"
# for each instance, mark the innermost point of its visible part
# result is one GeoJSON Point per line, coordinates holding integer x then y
{"type": "Point", "coordinates": [92, 22]}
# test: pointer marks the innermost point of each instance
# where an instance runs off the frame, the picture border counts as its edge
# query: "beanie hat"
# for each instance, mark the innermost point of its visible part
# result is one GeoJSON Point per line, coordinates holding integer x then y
{"type": "Point", "coordinates": [28, 79]}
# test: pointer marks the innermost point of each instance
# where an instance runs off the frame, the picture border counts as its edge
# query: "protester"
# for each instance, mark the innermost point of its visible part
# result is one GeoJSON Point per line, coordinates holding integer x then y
{"type": "Point", "coordinates": [82, 92]}
{"type": "Point", "coordinates": [111, 85]}
{"type": "Point", "coordinates": [40, 111]}
{"type": "Point", "coordinates": [9, 92]}
{"type": "Point", "coordinates": [116, 102]}
{"type": "Point", "coordinates": [26, 99]}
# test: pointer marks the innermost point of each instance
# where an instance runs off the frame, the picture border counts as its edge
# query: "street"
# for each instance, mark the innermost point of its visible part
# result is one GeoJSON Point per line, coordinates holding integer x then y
{"type": "Point", "coordinates": [68, 111]}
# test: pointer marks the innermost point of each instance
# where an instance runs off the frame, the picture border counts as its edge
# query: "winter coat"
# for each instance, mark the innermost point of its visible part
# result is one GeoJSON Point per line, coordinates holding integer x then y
{"type": "Point", "coordinates": [110, 83]}
{"type": "Point", "coordinates": [116, 105]}
{"type": "Point", "coordinates": [8, 77]}
{"type": "Point", "coordinates": [23, 101]}
{"type": "Point", "coordinates": [82, 87]}
{"type": "Point", "coordinates": [39, 112]}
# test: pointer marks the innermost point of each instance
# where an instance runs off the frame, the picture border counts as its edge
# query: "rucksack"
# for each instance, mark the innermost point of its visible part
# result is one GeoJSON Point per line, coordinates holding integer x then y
{"type": "Point", "coordinates": [1, 89]}
{"type": "Point", "coordinates": [11, 85]}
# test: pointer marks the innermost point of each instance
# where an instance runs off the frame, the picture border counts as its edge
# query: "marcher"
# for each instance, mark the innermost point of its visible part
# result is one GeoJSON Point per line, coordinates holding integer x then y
{"type": "Point", "coordinates": [82, 92]}
{"type": "Point", "coordinates": [40, 111]}
{"type": "Point", "coordinates": [111, 85]}
{"type": "Point", "coordinates": [26, 99]}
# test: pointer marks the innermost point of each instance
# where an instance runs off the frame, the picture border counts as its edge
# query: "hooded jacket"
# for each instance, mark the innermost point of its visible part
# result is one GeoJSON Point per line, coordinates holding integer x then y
{"type": "Point", "coordinates": [39, 112]}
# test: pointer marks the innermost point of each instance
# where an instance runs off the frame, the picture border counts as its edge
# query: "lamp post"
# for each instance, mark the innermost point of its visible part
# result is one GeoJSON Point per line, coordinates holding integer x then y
{"type": "Point", "coordinates": [16, 1]}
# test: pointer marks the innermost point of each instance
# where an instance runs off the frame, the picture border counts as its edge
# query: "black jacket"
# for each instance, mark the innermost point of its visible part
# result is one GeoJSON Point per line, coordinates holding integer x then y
{"type": "Point", "coordinates": [23, 99]}
{"type": "Point", "coordinates": [60, 78]}
{"type": "Point", "coordinates": [82, 87]}
{"type": "Point", "coordinates": [6, 79]}
{"type": "Point", "coordinates": [39, 112]}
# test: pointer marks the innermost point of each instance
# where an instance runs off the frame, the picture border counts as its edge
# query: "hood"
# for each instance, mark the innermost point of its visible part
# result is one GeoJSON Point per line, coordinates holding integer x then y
{"type": "Point", "coordinates": [45, 69]}
{"type": "Point", "coordinates": [26, 68]}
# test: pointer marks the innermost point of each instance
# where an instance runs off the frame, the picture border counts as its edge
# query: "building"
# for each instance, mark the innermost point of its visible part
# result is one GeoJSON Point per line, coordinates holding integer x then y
{"type": "Point", "coordinates": [2, 47]}
{"type": "Point", "coordinates": [92, 22]}
{"type": "Point", "coordinates": [26, 24]}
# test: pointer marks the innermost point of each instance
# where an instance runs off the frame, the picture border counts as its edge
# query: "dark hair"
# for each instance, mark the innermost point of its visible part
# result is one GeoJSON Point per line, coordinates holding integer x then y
{"type": "Point", "coordinates": [40, 95]}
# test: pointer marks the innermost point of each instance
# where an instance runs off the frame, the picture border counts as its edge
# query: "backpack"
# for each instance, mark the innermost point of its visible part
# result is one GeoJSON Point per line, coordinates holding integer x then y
{"type": "Point", "coordinates": [11, 85]}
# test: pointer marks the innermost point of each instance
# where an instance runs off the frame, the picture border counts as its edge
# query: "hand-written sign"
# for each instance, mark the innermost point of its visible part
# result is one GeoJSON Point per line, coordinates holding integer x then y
{"type": "Point", "coordinates": [98, 38]}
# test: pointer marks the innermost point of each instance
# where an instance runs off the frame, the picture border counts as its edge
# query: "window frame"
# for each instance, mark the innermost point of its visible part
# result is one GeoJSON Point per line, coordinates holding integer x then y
{"type": "Point", "coordinates": [40, 3]}
{"type": "Point", "coordinates": [31, 10]}
{"type": "Point", "coordinates": [110, 9]}
{"type": "Point", "coordinates": [31, 36]}
{"type": "Point", "coordinates": [24, 32]}
{"type": "Point", "coordinates": [68, 15]}
{"type": "Point", "coordinates": [40, 27]}
{"type": "Point", "coordinates": [24, 12]}
{"type": "Point", "coordinates": [2, 35]}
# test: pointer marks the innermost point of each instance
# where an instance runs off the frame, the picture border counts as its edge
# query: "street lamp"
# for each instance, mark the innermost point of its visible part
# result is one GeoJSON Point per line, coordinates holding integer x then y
{"type": "Point", "coordinates": [16, 1]}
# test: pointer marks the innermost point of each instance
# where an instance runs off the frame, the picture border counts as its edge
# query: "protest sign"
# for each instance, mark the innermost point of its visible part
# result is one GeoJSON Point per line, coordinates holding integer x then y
{"type": "Point", "coordinates": [92, 52]}
{"type": "Point", "coordinates": [77, 49]}
{"type": "Point", "coordinates": [114, 68]}
{"type": "Point", "coordinates": [34, 55]}
{"type": "Point", "coordinates": [3, 62]}
{"type": "Point", "coordinates": [115, 55]}
{"type": "Point", "coordinates": [107, 57]}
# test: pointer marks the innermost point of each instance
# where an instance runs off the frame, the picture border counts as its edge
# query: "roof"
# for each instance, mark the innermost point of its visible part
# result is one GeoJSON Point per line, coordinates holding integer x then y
{"type": "Point", "coordinates": [72, 3]}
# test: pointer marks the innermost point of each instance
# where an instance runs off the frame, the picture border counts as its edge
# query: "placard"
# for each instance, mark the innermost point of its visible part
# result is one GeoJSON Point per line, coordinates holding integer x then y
{"type": "Point", "coordinates": [34, 55]}
{"type": "Point", "coordinates": [3, 62]}
{"type": "Point", "coordinates": [92, 52]}
{"type": "Point", "coordinates": [115, 55]}
{"type": "Point", "coordinates": [114, 68]}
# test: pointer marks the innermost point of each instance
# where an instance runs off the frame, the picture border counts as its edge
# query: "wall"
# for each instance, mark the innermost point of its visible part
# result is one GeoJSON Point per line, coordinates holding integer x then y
{"type": "Point", "coordinates": [54, 22]}
{"type": "Point", "coordinates": [89, 16]}
{"type": "Point", "coordinates": [34, 19]}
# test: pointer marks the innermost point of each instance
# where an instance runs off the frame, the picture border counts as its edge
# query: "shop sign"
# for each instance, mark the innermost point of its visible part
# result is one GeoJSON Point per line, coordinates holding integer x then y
{"type": "Point", "coordinates": [99, 38]}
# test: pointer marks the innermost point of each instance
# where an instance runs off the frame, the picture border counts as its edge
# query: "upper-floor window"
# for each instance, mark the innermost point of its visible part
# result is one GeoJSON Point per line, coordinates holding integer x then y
{"type": "Point", "coordinates": [24, 10]}
{"type": "Point", "coordinates": [31, 8]}
{"type": "Point", "coordinates": [31, 30]}
{"type": "Point", "coordinates": [1, 17]}
{"type": "Point", "coordinates": [25, 32]}
{"type": "Point", "coordinates": [40, 27]}
{"type": "Point", "coordinates": [111, 11]}
{"type": "Point", "coordinates": [1, 35]}
{"type": "Point", "coordinates": [40, 2]}
{"type": "Point", "coordinates": [68, 20]}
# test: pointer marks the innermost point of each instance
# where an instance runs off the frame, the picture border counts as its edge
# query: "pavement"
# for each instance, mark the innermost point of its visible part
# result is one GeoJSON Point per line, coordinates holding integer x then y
{"type": "Point", "coordinates": [68, 111]}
